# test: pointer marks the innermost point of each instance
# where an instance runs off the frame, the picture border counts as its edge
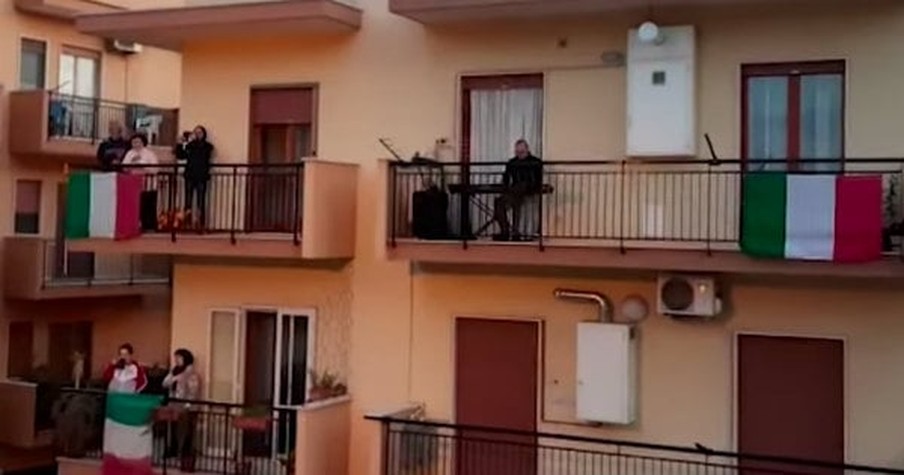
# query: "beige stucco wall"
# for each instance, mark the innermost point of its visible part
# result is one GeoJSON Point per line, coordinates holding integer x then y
{"type": "Point", "coordinates": [396, 78]}
{"type": "Point", "coordinates": [199, 289]}
{"type": "Point", "coordinates": [152, 77]}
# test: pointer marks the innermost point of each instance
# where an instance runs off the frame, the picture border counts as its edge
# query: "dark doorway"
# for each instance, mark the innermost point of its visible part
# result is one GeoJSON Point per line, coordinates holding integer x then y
{"type": "Point", "coordinates": [283, 122]}
{"type": "Point", "coordinates": [791, 400]}
{"type": "Point", "coordinates": [20, 355]}
{"type": "Point", "coordinates": [496, 367]}
{"type": "Point", "coordinates": [65, 340]}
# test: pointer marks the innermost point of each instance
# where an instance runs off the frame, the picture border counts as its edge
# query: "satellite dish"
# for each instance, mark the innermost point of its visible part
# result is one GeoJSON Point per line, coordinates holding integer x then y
{"type": "Point", "coordinates": [649, 33]}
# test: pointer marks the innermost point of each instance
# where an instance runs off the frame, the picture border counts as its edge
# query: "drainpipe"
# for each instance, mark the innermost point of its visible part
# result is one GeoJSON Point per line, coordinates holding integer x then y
{"type": "Point", "coordinates": [605, 306]}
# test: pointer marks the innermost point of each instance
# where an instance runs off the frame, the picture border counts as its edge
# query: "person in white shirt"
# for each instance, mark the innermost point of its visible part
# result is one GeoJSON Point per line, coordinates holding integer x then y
{"type": "Point", "coordinates": [141, 159]}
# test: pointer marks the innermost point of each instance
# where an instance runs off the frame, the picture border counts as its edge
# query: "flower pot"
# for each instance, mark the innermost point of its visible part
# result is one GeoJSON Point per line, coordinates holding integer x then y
{"type": "Point", "coordinates": [319, 394]}
{"type": "Point", "coordinates": [252, 423]}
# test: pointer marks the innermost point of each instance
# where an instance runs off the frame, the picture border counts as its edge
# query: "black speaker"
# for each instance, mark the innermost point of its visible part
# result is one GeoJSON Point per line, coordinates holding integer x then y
{"type": "Point", "coordinates": [429, 214]}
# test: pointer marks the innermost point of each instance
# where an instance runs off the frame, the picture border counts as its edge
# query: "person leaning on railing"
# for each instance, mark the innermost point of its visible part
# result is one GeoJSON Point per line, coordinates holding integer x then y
{"type": "Point", "coordinates": [113, 149]}
{"type": "Point", "coordinates": [141, 159]}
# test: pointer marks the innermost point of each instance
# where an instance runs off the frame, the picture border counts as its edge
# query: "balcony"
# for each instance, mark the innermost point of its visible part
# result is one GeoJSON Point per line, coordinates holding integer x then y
{"type": "Point", "coordinates": [304, 210]}
{"type": "Point", "coordinates": [417, 446]}
{"type": "Point", "coordinates": [25, 409]}
{"type": "Point", "coordinates": [46, 270]}
{"type": "Point", "coordinates": [229, 438]}
{"type": "Point", "coordinates": [171, 28]}
{"type": "Point", "coordinates": [68, 129]}
{"type": "Point", "coordinates": [65, 10]}
{"type": "Point", "coordinates": [651, 214]}
{"type": "Point", "coordinates": [435, 12]}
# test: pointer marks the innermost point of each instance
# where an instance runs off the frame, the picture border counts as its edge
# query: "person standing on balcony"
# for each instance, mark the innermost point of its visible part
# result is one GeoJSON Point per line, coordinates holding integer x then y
{"type": "Point", "coordinates": [522, 181]}
{"type": "Point", "coordinates": [124, 374]}
{"type": "Point", "coordinates": [112, 150]}
{"type": "Point", "coordinates": [143, 160]}
{"type": "Point", "coordinates": [184, 384]}
{"type": "Point", "coordinates": [197, 152]}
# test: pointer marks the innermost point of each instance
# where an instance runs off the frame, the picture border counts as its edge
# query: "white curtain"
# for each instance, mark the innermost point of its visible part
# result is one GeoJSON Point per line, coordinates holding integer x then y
{"type": "Point", "coordinates": [501, 117]}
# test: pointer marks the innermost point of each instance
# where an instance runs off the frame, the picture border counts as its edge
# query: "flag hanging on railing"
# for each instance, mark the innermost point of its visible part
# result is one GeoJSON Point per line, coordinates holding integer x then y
{"type": "Point", "coordinates": [812, 217]}
{"type": "Point", "coordinates": [128, 434]}
{"type": "Point", "coordinates": [103, 205]}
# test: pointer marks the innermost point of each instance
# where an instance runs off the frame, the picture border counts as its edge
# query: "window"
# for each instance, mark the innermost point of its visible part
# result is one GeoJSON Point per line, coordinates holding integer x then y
{"type": "Point", "coordinates": [79, 71]}
{"type": "Point", "coordinates": [28, 207]}
{"type": "Point", "coordinates": [32, 64]}
{"type": "Point", "coordinates": [793, 113]}
{"type": "Point", "coordinates": [497, 111]}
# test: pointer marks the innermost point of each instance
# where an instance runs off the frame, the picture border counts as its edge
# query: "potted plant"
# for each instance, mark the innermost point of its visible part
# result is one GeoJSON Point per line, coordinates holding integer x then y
{"type": "Point", "coordinates": [253, 419]}
{"type": "Point", "coordinates": [77, 420]}
{"type": "Point", "coordinates": [325, 385]}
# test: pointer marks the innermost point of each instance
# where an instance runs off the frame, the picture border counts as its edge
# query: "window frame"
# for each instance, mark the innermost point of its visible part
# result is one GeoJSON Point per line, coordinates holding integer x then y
{"type": "Point", "coordinates": [472, 82]}
{"type": "Point", "coordinates": [18, 183]}
{"type": "Point", "coordinates": [21, 44]}
{"type": "Point", "coordinates": [793, 72]}
{"type": "Point", "coordinates": [79, 52]}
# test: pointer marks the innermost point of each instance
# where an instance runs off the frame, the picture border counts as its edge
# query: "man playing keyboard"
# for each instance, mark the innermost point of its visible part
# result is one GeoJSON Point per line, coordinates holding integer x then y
{"type": "Point", "coordinates": [522, 183]}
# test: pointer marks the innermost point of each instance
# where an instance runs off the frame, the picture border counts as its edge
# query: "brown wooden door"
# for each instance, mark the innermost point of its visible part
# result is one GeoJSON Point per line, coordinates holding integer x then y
{"type": "Point", "coordinates": [496, 371]}
{"type": "Point", "coordinates": [20, 354]}
{"type": "Point", "coordinates": [791, 400]}
{"type": "Point", "coordinates": [281, 133]}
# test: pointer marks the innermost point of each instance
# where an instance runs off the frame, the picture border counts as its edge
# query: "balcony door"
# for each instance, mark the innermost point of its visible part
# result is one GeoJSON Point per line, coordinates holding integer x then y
{"type": "Point", "coordinates": [79, 82]}
{"type": "Point", "coordinates": [792, 114]}
{"type": "Point", "coordinates": [261, 358]}
{"type": "Point", "coordinates": [282, 131]}
{"type": "Point", "coordinates": [65, 264]}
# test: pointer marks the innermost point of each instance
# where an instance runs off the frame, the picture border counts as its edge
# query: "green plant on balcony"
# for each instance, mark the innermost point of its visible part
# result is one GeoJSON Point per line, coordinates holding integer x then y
{"type": "Point", "coordinates": [77, 418]}
{"type": "Point", "coordinates": [325, 385]}
{"type": "Point", "coordinates": [254, 419]}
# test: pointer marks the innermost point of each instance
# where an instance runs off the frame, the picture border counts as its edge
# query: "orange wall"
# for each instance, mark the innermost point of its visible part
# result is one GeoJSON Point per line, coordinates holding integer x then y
{"type": "Point", "coordinates": [143, 322]}
{"type": "Point", "coordinates": [198, 289]}
{"type": "Point", "coordinates": [152, 77]}
{"type": "Point", "coordinates": [396, 78]}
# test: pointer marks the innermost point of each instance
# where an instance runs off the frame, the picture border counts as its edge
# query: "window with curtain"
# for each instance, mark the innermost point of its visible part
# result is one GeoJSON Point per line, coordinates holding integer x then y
{"type": "Point", "coordinates": [32, 64]}
{"type": "Point", "coordinates": [79, 72]}
{"type": "Point", "coordinates": [499, 110]}
{"type": "Point", "coordinates": [794, 114]}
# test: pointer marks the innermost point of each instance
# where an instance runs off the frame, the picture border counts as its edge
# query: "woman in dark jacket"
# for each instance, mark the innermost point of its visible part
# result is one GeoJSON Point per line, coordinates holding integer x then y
{"type": "Point", "coordinates": [196, 152]}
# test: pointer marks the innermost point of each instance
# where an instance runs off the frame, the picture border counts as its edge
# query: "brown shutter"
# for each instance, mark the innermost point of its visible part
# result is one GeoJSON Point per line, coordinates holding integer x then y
{"type": "Point", "coordinates": [282, 106]}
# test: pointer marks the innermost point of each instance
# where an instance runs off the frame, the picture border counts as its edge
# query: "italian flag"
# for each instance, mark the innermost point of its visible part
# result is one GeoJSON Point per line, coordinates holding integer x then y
{"type": "Point", "coordinates": [128, 438]}
{"type": "Point", "coordinates": [103, 205]}
{"type": "Point", "coordinates": [812, 217]}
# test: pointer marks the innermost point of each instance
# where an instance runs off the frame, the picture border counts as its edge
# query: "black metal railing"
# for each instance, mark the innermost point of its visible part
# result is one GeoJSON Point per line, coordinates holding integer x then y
{"type": "Point", "coordinates": [617, 203]}
{"type": "Point", "coordinates": [195, 436]}
{"type": "Point", "coordinates": [236, 200]}
{"type": "Point", "coordinates": [432, 448]}
{"type": "Point", "coordinates": [64, 268]}
{"type": "Point", "coordinates": [87, 118]}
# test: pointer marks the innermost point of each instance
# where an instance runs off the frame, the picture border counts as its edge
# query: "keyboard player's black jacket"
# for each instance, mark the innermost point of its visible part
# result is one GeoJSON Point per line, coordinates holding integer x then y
{"type": "Point", "coordinates": [524, 175]}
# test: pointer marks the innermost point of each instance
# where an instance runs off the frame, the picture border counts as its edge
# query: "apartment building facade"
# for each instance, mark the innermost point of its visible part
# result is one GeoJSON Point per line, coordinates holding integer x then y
{"type": "Point", "coordinates": [61, 89]}
{"type": "Point", "coordinates": [469, 329]}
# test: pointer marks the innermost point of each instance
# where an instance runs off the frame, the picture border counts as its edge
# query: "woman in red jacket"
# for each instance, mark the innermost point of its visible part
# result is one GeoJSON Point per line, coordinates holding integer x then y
{"type": "Point", "coordinates": [124, 374]}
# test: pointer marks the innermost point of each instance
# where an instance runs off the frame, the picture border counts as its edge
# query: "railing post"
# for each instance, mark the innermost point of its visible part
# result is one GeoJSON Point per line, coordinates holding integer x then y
{"type": "Point", "coordinates": [393, 170]}
{"type": "Point", "coordinates": [235, 199]}
{"type": "Point", "coordinates": [385, 443]}
{"type": "Point", "coordinates": [621, 215]}
{"type": "Point", "coordinates": [709, 207]}
{"type": "Point", "coordinates": [171, 209]}
{"type": "Point", "coordinates": [95, 119]}
{"type": "Point", "coordinates": [540, 209]}
{"type": "Point", "coordinates": [297, 190]}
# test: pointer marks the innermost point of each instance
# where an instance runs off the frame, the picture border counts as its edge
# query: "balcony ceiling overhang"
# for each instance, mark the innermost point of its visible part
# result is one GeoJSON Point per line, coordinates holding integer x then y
{"type": "Point", "coordinates": [170, 28]}
{"type": "Point", "coordinates": [66, 10]}
{"type": "Point", "coordinates": [457, 11]}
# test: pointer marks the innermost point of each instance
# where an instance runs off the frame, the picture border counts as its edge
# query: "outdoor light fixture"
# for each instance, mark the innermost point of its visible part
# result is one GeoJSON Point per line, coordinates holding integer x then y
{"type": "Point", "coordinates": [649, 33]}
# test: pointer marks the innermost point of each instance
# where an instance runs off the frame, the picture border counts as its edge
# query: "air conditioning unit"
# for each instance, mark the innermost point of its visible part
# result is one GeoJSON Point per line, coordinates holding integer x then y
{"type": "Point", "coordinates": [123, 47]}
{"type": "Point", "coordinates": [688, 296]}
